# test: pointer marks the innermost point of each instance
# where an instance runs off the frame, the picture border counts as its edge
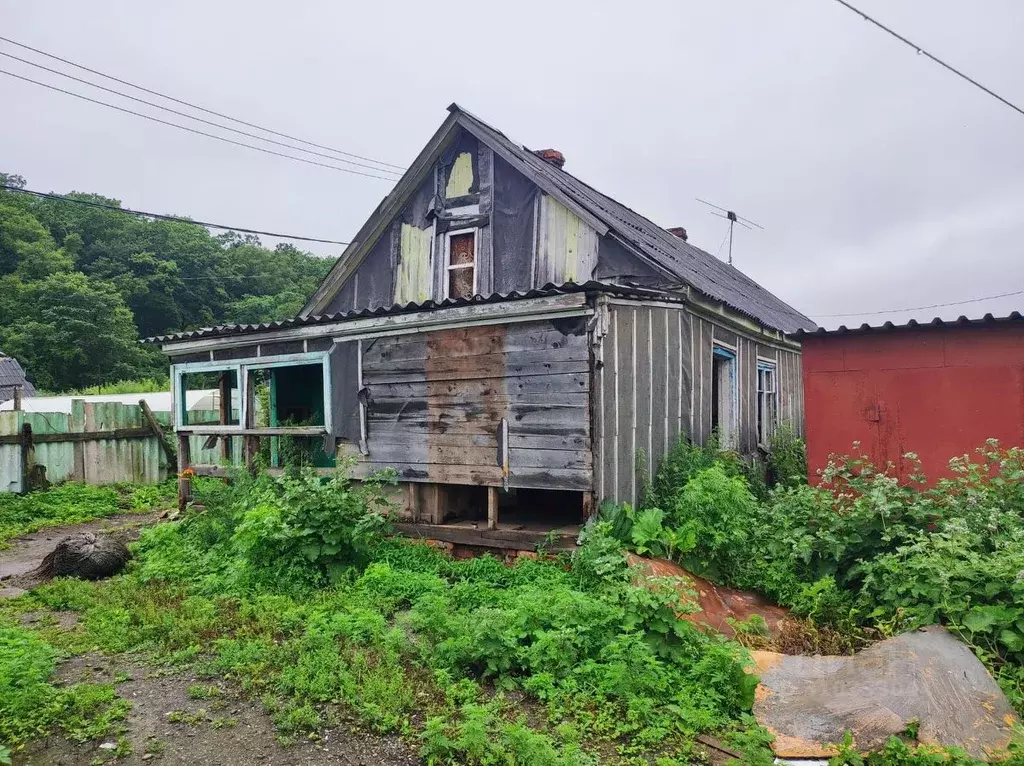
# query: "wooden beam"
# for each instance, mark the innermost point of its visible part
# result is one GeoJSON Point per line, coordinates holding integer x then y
{"type": "Point", "coordinates": [504, 312]}
{"type": "Point", "coordinates": [269, 431]}
{"type": "Point", "coordinates": [82, 436]}
{"type": "Point", "coordinates": [513, 539]}
{"type": "Point", "coordinates": [18, 393]}
{"type": "Point", "coordinates": [224, 412]}
{"type": "Point", "coordinates": [158, 432]}
{"type": "Point", "coordinates": [492, 507]}
{"type": "Point", "coordinates": [184, 478]}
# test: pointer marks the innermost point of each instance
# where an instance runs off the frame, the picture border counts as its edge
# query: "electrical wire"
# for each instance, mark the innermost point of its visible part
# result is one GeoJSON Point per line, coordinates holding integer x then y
{"type": "Point", "coordinates": [934, 58]}
{"type": "Point", "coordinates": [196, 106]}
{"type": "Point", "coordinates": [160, 217]}
{"type": "Point", "coordinates": [191, 117]}
{"type": "Point", "coordinates": [921, 308]}
{"type": "Point", "coordinates": [193, 130]}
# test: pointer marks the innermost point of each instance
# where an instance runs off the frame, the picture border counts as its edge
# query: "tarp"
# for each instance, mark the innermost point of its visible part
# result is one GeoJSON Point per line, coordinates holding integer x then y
{"type": "Point", "coordinates": [927, 676]}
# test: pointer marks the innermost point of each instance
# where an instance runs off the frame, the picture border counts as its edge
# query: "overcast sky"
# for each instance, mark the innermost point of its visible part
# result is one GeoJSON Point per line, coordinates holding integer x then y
{"type": "Point", "coordinates": [881, 179]}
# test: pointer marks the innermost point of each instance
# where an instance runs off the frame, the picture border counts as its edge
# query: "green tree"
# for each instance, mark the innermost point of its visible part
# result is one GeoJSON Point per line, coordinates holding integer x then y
{"type": "Point", "coordinates": [72, 332]}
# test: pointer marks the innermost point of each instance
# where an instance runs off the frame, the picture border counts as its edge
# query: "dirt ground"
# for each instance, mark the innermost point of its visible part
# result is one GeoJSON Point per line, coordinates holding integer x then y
{"type": "Point", "coordinates": [27, 551]}
{"type": "Point", "coordinates": [165, 725]}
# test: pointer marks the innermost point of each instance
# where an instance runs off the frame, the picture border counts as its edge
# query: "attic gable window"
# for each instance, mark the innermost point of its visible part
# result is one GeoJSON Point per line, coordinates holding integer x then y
{"type": "Point", "coordinates": [460, 264]}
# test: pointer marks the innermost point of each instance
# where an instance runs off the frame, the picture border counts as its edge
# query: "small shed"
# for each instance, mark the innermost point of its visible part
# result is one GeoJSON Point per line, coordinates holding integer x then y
{"type": "Point", "coordinates": [12, 378]}
{"type": "Point", "coordinates": [938, 389]}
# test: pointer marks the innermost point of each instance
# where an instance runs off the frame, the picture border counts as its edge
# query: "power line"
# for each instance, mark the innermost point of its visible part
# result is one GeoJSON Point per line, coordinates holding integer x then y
{"type": "Point", "coordinates": [196, 106]}
{"type": "Point", "coordinates": [160, 217]}
{"type": "Point", "coordinates": [922, 308]}
{"type": "Point", "coordinates": [191, 117]}
{"type": "Point", "coordinates": [193, 130]}
{"type": "Point", "coordinates": [936, 59]}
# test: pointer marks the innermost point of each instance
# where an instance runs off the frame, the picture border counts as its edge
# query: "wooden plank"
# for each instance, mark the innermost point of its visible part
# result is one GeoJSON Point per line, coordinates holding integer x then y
{"type": "Point", "coordinates": [513, 370]}
{"type": "Point", "coordinates": [490, 362]}
{"type": "Point", "coordinates": [550, 458]}
{"type": "Point", "coordinates": [474, 341]}
{"type": "Point", "coordinates": [487, 538]}
{"type": "Point", "coordinates": [704, 352]}
{"type": "Point", "coordinates": [268, 431]}
{"type": "Point", "coordinates": [86, 436]}
{"type": "Point", "coordinates": [644, 399]}
{"type": "Point", "coordinates": [524, 478]}
{"type": "Point", "coordinates": [514, 386]}
{"type": "Point", "coordinates": [158, 432]}
{"type": "Point", "coordinates": [466, 400]}
{"type": "Point", "coordinates": [486, 456]}
{"type": "Point", "coordinates": [544, 418]}
{"type": "Point", "coordinates": [625, 431]}
{"type": "Point", "coordinates": [401, 435]}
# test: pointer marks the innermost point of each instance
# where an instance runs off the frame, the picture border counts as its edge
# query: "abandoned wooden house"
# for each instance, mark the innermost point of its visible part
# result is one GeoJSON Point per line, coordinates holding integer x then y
{"type": "Point", "coordinates": [509, 340]}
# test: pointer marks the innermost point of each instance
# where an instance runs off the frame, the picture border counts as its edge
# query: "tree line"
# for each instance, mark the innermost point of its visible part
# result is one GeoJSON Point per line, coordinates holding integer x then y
{"type": "Point", "coordinates": [79, 286]}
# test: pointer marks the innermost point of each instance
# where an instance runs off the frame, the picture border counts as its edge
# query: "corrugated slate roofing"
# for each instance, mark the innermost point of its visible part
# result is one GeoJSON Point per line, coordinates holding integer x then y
{"type": "Point", "coordinates": [12, 376]}
{"type": "Point", "coordinates": [546, 291]}
{"type": "Point", "coordinates": [709, 275]}
{"type": "Point", "coordinates": [913, 324]}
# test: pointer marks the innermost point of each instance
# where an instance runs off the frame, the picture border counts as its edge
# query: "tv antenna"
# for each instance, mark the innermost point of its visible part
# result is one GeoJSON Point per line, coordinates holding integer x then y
{"type": "Point", "coordinates": [733, 219]}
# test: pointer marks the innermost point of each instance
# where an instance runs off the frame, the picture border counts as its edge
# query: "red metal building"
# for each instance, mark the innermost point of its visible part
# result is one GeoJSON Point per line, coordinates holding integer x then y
{"type": "Point", "coordinates": [938, 389]}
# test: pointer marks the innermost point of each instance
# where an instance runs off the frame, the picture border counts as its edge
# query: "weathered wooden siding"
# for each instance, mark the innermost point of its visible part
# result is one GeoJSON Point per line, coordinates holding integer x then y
{"type": "Point", "coordinates": [436, 402]}
{"type": "Point", "coordinates": [654, 386]}
{"type": "Point", "coordinates": [566, 246]}
{"type": "Point", "coordinates": [642, 395]}
{"type": "Point", "coordinates": [748, 350]}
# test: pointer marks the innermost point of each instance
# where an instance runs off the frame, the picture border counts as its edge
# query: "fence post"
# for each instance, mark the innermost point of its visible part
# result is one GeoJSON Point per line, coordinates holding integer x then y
{"type": "Point", "coordinates": [18, 393]}
{"type": "Point", "coordinates": [27, 457]}
{"type": "Point", "coordinates": [185, 472]}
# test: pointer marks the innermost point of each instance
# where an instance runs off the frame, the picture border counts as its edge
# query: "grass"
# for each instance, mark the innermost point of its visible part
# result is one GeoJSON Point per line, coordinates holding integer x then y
{"type": "Point", "coordinates": [474, 662]}
{"type": "Point", "coordinates": [292, 590]}
{"type": "Point", "coordinates": [73, 503]}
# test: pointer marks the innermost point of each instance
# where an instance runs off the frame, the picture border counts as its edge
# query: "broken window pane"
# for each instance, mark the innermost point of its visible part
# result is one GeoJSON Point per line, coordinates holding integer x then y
{"type": "Point", "coordinates": [460, 283]}
{"type": "Point", "coordinates": [210, 398]}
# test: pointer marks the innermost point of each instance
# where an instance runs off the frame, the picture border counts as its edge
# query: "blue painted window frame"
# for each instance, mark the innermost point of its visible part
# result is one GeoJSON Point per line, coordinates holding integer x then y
{"type": "Point", "coordinates": [730, 439]}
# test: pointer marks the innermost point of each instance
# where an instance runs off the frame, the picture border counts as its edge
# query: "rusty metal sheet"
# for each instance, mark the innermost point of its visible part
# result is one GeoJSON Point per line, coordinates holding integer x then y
{"type": "Point", "coordinates": [927, 676]}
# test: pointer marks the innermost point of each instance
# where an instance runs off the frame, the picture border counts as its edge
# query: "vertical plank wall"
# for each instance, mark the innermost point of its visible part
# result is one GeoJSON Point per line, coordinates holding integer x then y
{"type": "Point", "coordinates": [643, 395]}
{"type": "Point", "coordinates": [748, 350]}
{"type": "Point", "coordinates": [655, 386]}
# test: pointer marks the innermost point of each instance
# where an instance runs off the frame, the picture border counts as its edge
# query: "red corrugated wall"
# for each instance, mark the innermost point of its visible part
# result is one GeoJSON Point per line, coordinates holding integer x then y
{"type": "Point", "coordinates": [939, 392]}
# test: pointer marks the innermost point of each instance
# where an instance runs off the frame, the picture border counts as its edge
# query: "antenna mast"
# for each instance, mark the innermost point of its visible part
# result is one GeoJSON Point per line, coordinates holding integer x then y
{"type": "Point", "coordinates": [733, 219]}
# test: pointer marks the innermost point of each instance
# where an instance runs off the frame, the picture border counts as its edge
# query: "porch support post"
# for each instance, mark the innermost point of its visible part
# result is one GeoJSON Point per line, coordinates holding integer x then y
{"type": "Point", "coordinates": [492, 507]}
{"type": "Point", "coordinates": [184, 475]}
{"type": "Point", "coordinates": [224, 384]}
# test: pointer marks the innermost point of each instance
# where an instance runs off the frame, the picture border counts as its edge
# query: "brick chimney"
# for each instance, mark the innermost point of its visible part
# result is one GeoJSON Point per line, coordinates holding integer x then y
{"type": "Point", "coordinates": [553, 156]}
{"type": "Point", "coordinates": [677, 231]}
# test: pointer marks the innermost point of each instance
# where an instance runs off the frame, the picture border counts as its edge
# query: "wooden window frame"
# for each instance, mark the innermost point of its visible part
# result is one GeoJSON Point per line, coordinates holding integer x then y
{"type": "Point", "coordinates": [242, 367]}
{"type": "Point", "coordinates": [766, 427]}
{"type": "Point", "coordinates": [448, 268]}
{"type": "Point", "coordinates": [729, 432]}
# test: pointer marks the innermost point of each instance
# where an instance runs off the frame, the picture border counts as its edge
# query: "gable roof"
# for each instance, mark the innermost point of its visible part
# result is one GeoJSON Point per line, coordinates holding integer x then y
{"type": "Point", "coordinates": [681, 262]}
{"type": "Point", "coordinates": [11, 376]}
